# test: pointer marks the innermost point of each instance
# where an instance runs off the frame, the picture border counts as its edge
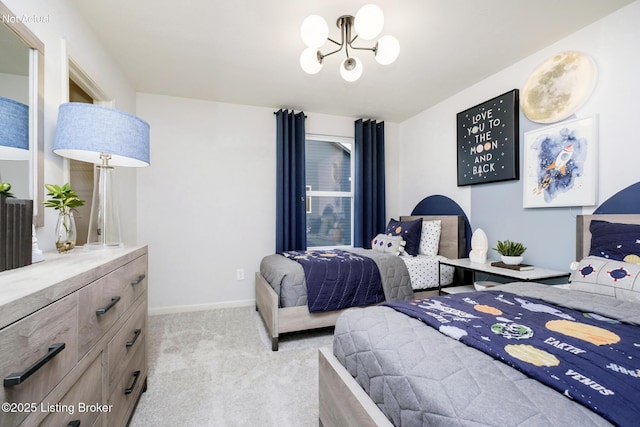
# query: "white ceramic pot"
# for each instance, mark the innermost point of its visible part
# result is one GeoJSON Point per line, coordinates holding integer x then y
{"type": "Point", "coordinates": [512, 260]}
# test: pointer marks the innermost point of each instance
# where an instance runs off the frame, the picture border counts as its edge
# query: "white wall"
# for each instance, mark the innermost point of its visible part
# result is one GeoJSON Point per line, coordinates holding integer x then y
{"type": "Point", "coordinates": [15, 87]}
{"type": "Point", "coordinates": [65, 33]}
{"type": "Point", "coordinates": [206, 205]}
{"type": "Point", "coordinates": [428, 142]}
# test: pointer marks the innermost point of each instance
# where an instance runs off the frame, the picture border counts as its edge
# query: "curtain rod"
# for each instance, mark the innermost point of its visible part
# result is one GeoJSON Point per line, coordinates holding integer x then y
{"type": "Point", "coordinates": [305, 116]}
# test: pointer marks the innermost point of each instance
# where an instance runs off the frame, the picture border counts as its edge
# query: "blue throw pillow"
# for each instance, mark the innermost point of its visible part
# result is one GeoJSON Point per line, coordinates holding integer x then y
{"type": "Point", "coordinates": [614, 241]}
{"type": "Point", "coordinates": [410, 232]}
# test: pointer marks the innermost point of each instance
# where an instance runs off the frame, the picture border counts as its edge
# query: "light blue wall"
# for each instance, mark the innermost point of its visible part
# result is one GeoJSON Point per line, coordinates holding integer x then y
{"type": "Point", "coordinates": [428, 144]}
{"type": "Point", "coordinates": [497, 209]}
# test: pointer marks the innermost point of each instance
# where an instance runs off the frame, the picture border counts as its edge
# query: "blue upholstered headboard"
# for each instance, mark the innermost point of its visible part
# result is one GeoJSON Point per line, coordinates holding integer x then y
{"type": "Point", "coordinates": [626, 201]}
{"type": "Point", "coordinates": [442, 205]}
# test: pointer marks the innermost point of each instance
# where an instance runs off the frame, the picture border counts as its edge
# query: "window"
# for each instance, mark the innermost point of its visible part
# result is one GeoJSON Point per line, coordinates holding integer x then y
{"type": "Point", "coordinates": [329, 187]}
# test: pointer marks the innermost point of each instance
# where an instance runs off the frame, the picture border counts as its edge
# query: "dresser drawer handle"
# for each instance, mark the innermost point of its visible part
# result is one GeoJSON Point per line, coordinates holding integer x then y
{"type": "Point", "coordinates": [138, 280]}
{"type": "Point", "coordinates": [20, 377]}
{"type": "Point", "coordinates": [108, 307]}
{"type": "Point", "coordinates": [129, 390]}
{"type": "Point", "coordinates": [74, 423]}
{"type": "Point", "coordinates": [136, 334]}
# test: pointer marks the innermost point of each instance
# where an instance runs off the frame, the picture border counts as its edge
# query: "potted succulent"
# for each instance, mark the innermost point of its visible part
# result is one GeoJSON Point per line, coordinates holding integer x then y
{"type": "Point", "coordinates": [511, 252]}
{"type": "Point", "coordinates": [64, 200]}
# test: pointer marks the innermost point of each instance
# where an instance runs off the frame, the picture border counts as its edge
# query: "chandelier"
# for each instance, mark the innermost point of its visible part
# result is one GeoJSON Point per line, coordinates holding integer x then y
{"type": "Point", "coordinates": [366, 25]}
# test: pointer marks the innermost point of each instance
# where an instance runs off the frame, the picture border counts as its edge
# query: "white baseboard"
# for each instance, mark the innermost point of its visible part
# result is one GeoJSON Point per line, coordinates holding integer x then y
{"type": "Point", "coordinates": [199, 307]}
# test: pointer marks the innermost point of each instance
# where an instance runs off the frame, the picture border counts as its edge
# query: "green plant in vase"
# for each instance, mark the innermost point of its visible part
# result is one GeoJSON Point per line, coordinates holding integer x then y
{"type": "Point", "coordinates": [511, 252]}
{"type": "Point", "coordinates": [65, 201]}
{"type": "Point", "coordinates": [4, 189]}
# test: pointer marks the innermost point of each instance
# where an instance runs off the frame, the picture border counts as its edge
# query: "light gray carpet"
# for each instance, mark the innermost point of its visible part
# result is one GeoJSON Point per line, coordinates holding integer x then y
{"type": "Point", "coordinates": [216, 368]}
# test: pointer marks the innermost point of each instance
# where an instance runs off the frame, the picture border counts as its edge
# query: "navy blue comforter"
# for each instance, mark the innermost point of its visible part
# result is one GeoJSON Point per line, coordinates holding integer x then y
{"type": "Point", "coordinates": [338, 279]}
{"type": "Point", "coordinates": [587, 357]}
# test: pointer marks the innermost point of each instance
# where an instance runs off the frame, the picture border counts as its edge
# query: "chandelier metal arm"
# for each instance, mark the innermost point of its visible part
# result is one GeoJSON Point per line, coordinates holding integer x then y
{"type": "Point", "coordinates": [345, 24]}
{"type": "Point", "coordinates": [340, 46]}
{"type": "Point", "coordinates": [351, 67]}
{"type": "Point", "coordinates": [373, 49]}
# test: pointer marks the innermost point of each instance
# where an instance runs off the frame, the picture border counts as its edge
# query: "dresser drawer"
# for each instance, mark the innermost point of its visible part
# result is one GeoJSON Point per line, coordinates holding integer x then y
{"type": "Point", "coordinates": [126, 389]}
{"type": "Point", "coordinates": [124, 345]}
{"type": "Point", "coordinates": [83, 402]}
{"type": "Point", "coordinates": [104, 301]}
{"type": "Point", "coordinates": [36, 353]}
{"type": "Point", "coordinates": [136, 276]}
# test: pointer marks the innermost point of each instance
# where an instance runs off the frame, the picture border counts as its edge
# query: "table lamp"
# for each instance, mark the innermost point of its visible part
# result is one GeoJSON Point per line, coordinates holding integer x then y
{"type": "Point", "coordinates": [106, 137]}
{"type": "Point", "coordinates": [14, 130]}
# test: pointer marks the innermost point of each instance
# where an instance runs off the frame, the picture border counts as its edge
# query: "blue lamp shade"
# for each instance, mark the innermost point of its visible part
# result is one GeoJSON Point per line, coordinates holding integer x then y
{"type": "Point", "coordinates": [14, 130]}
{"type": "Point", "coordinates": [85, 131]}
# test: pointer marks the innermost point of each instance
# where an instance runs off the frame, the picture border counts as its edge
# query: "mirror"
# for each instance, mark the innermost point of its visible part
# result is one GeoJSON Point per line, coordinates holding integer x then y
{"type": "Point", "coordinates": [22, 80]}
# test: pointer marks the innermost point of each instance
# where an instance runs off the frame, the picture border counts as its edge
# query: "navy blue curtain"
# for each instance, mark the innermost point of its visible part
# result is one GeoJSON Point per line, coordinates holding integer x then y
{"type": "Point", "coordinates": [291, 232]}
{"type": "Point", "coordinates": [369, 195]}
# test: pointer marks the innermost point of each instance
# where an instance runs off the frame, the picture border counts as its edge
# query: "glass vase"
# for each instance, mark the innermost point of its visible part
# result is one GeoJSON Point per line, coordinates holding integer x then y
{"type": "Point", "coordinates": [65, 232]}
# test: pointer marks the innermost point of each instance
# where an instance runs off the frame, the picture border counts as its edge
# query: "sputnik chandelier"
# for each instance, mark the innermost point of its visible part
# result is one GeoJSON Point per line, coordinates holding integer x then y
{"type": "Point", "coordinates": [366, 25]}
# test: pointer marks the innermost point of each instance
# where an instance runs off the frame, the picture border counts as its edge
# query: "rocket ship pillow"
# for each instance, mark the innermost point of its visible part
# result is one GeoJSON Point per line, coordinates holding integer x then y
{"type": "Point", "coordinates": [410, 231]}
{"type": "Point", "coordinates": [615, 241]}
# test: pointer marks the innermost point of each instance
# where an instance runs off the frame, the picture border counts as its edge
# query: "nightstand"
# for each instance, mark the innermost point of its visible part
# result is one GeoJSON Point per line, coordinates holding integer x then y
{"type": "Point", "coordinates": [535, 275]}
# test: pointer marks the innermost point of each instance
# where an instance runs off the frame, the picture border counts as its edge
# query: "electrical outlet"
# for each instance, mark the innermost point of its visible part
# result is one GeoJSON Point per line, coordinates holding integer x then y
{"type": "Point", "coordinates": [240, 274]}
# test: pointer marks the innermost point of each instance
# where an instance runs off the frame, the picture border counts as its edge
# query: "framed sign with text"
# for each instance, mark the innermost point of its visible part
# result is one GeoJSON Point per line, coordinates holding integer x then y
{"type": "Point", "coordinates": [488, 141]}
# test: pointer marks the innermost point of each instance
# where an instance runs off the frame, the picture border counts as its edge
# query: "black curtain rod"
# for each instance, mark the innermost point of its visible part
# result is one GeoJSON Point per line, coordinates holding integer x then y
{"type": "Point", "coordinates": [275, 112]}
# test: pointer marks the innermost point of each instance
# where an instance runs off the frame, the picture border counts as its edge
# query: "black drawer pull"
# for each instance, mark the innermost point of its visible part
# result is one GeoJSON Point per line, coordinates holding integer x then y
{"type": "Point", "coordinates": [129, 390]}
{"type": "Point", "coordinates": [74, 423]}
{"type": "Point", "coordinates": [108, 307]}
{"type": "Point", "coordinates": [136, 334]}
{"type": "Point", "coordinates": [20, 377]}
{"type": "Point", "coordinates": [138, 280]}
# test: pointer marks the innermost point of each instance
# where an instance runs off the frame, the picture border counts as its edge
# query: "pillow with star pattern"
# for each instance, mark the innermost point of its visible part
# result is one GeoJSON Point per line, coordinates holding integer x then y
{"type": "Point", "coordinates": [615, 241]}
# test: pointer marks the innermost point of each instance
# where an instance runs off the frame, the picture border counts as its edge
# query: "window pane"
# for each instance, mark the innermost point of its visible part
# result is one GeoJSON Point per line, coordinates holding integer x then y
{"type": "Point", "coordinates": [329, 222]}
{"type": "Point", "coordinates": [329, 198]}
{"type": "Point", "coordinates": [328, 166]}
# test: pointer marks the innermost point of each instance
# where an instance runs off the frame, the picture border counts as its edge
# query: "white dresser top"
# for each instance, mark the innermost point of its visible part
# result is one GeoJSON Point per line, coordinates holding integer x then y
{"type": "Point", "coordinates": [27, 289]}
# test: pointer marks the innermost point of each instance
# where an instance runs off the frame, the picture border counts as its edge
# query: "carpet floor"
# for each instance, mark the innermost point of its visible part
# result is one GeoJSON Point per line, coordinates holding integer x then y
{"type": "Point", "coordinates": [216, 368]}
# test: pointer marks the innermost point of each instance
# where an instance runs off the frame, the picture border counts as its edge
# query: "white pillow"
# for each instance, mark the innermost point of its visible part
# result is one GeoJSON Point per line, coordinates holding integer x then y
{"type": "Point", "coordinates": [388, 244]}
{"type": "Point", "coordinates": [602, 276]}
{"type": "Point", "coordinates": [430, 237]}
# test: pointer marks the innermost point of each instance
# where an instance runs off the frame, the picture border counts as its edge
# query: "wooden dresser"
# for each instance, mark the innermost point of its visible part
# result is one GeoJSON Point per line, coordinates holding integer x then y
{"type": "Point", "coordinates": [73, 339]}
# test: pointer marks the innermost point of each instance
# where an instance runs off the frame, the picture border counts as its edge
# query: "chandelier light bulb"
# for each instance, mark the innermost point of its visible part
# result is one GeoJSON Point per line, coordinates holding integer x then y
{"type": "Point", "coordinates": [387, 50]}
{"type": "Point", "coordinates": [369, 22]}
{"type": "Point", "coordinates": [314, 31]}
{"type": "Point", "coordinates": [366, 25]}
{"type": "Point", "coordinates": [351, 69]}
{"type": "Point", "coordinates": [309, 61]}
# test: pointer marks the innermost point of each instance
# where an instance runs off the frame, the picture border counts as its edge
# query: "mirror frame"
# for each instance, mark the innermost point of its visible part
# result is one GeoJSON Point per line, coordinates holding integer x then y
{"type": "Point", "coordinates": [36, 110]}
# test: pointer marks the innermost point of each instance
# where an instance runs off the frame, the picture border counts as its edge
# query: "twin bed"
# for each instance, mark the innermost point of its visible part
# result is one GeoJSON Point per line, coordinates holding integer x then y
{"type": "Point", "coordinates": [387, 368]}
{"type": "Point", "coordinates": [281, 295]}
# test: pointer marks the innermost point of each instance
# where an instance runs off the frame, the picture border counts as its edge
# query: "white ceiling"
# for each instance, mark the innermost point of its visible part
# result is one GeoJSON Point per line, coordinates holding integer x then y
{"type": "Point", "coordinates": [247, 51]}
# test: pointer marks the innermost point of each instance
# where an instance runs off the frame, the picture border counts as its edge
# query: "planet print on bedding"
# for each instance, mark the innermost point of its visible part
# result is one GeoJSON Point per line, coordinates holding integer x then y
{"type": "Point", "coordinates": [587, 359]}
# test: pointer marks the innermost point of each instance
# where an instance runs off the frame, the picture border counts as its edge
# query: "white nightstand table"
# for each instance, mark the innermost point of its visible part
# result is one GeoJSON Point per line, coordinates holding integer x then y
{"type": "Point", "coordinates": [535, 275]}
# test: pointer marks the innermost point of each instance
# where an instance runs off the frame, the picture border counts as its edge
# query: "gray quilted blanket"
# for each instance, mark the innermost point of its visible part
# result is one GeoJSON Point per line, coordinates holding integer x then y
{"type": "Point", "coordinates": [420, 377]}
{"type": "Point", "coordinates": [287, 277]}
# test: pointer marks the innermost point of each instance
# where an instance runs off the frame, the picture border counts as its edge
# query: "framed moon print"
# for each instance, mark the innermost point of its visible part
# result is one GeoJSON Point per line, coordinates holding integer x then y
{"type": "Point", "coordinates": [560, 164]}
{"type": "Point", "coordinates": [488, 141]}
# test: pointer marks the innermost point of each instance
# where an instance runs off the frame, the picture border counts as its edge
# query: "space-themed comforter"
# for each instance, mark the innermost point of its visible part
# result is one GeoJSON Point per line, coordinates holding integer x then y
{"type": "Point", "coordinates": [287, 277]}
{"type": "Point", "coordinates": [418, 376]}
{"type": "Point", "coordinates": [337, 279]}
{"type": "Point", "coordinates": [590, 358]}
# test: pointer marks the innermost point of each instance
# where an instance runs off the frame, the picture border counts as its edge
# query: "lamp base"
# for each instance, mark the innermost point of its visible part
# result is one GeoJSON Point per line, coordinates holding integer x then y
{"type": "Point", "coordinates": [97, 245]}
{"type": "Point", "coordinates": [104, 223]}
